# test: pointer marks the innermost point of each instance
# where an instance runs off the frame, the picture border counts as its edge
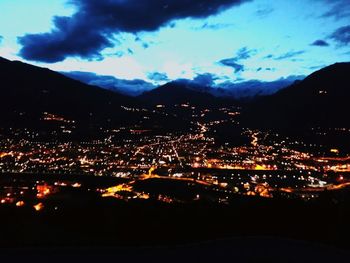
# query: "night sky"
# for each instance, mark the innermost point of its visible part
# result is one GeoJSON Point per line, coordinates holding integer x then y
{"type": "Point", "coordinates": [140, 43]}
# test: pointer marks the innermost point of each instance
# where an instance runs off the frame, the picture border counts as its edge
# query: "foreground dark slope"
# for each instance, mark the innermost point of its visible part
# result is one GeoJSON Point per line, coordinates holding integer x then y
{"type": "Point", "coordinates": [28, 91]}
{"type": "Point", "coordinates": [321, 99]}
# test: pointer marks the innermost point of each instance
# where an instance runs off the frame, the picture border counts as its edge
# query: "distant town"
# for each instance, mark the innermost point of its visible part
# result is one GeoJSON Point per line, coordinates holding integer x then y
{"type": "Point", "coordinates": [265, 164]}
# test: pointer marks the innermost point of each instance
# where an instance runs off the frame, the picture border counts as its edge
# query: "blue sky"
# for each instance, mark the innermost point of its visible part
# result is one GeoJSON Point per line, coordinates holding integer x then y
{"type": "Point", "coordinates": [234, 41]}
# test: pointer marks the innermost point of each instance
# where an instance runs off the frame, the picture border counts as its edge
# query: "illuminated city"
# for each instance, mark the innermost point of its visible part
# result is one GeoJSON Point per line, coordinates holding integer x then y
{"type": "Point", "coordinates": [175, 131]}
{"type": "Point", "coordinates": [266, 165]}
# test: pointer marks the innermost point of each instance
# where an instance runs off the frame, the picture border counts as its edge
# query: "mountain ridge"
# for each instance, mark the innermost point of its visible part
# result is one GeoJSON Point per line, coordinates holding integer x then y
{"type": "Point", "coordinates": [318, 100]}
{"type": "Point", "coordinates": [28, 90]}
{"type": "Point", "coordinates": [179, 92]}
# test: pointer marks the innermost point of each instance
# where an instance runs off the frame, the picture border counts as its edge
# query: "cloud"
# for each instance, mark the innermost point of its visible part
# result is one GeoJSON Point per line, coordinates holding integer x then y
{"type": "Point", "coordinates": [65, 40]}
{"type": "Point", "coordinates": [213, 26]}
{"type": "Point", "coordinates": [245, 53]}
{"type": "Point", "coordinates": [268, 56]}
{"type": "Point", "coordinates": [130, 51]}
{"type": "Point", "coordinates": [1, 39]}
{"type": "Point", "coordinates": [97, 22]}
{"type": "Point", "coordinates": [290, 54]}
{"type": "Point", "coordinates": [341, 35]}
{"type": "Point", "coordinates": [320, 43]}
{"type": "Point", "coordinates": [230, 62]}
{"type": "Point", "coordinates": [144, 44]}
{"type": "Point", "coordinates": [242, 54]}
{"type": "Point", "coordinates": [158, 77]}
{"type": "Point", "coordinates": [338, 9]}
{"type": "Point", "coordinates": [317, 67]}
{"type": "Point", "coordinates": [129, 87]}
{"type": "Point", "coordinates": [264, 12]}
{"type": "Point", "coordinates": [206, 79]}
{"type": "Point", "coordinates": [266, 69]}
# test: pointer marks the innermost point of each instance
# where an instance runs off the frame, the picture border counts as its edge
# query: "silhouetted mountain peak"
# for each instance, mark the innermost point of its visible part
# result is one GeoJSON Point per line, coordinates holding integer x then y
{"type": "Point", "coordinates": [319, 100]}
{"type": "Point", "coordinates": [29, 91]}
{"type": "Point", "coordinates": [3, 60]}
{"type": "Point", "coordinates": [177, 92]}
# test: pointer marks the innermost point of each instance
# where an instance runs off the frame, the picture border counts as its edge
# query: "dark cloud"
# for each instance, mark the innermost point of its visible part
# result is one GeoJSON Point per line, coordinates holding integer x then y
{"type": "Point", "coordinates": [264, 12]}
{"type": "Point", "coordinates": [267, 69]}
{"type": "Point", "coordinates": [317, 67]}
{"type": "Point", "coordinates": [157, 76]}
{"type": "Point", "coordinates": [130, 51]}
{"type": "Point", "coordinates": [213, 26]}
{"type": "Point", "coordinates": [320, 43]}
{"type": "Point", "coordinates": [67, 39]}
{"type": "Point", "coordinates": [342, 35]}
{"type": "Point", "coordinates": [242, 54]}
{"type": "Point", "coordinates": [290, 54]}
{"type": "Point", "coordinates": [129, 87]}
{"type": "Point", "coordinates": [268, 56]}
{"type": "Point", "coordinates": [338, 9]}
{"type": "Point", "coordinates": [96, 22]}
{"type": "Point", "coordinates": [230, 62]}
{"type": "Point", "coordinates": [143, 43]}
{"type": "Point", "coordinates": [245, 53]}
{"type": "Point", "coordinates": [206, 79]}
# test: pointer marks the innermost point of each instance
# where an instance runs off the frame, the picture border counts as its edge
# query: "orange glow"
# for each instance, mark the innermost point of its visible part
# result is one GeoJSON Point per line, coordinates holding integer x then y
{"type": "Point", "coordinates": [4, 154]}
{"type": "Point", "coordinates": [143, 196]}
{"type": "Point", "coordinates": [287, 190]}
{"type": "Point", "coordinates": [76, 185]}
{"type": "Point", "coordinates": [43, 190]}
{"type": "Point", "coordinates": [20, 203]}
{"type": "Point", "coordinates": [151, 170]}
{"type": "Point", "coordinates": [259, 167]}
{"type": "Point", "coordinates": [255, 139]}
{"type": "Point", "coordinates": [38, 207]}
{"type": "Point", "coordinates": [334, 151]}
{"type": "Point", "coordinates": [196, 165]}
{"type": "Point", "coordinates": [263, 191]}
{"type": "Point", "coordinates": [112, 191]}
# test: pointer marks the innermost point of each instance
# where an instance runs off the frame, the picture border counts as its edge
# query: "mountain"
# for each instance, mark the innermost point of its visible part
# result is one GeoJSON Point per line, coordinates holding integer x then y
{"type": "Point", "coordinates": [178, 92]}
{"type": "Point", "coordinates": [252, 89]}
{"type": "Point", "coordinates": [28, 91]}
{"type": "Point", "coordinates": [245, 90]}
{"type": "Point", "coordinates": [321, 99]}
{"type": "Point", "coordinates": [133, 87]}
